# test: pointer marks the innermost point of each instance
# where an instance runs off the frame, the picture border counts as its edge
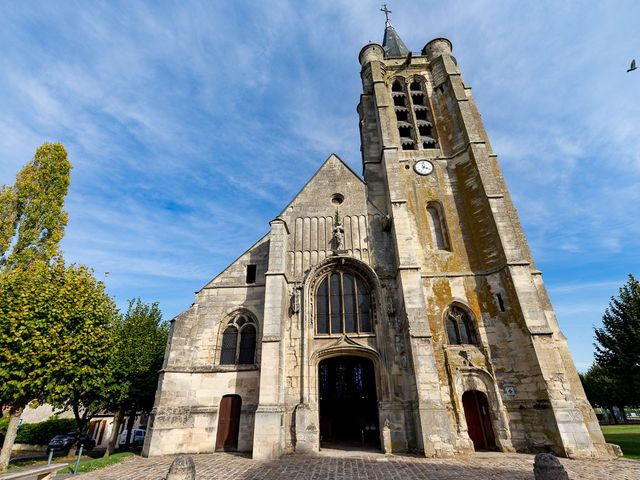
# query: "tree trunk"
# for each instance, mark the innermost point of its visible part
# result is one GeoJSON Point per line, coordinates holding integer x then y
{"type": "Point", "coordinates": [10, 437]}
{"type": "Point", "coordinates": [624, 414]}
{"type": "Point", "coordinates": [613, 415]}
{"type": "Point", "coordinates": [130, 422]}
{"type": "Point", "coordinates": [115, 433]}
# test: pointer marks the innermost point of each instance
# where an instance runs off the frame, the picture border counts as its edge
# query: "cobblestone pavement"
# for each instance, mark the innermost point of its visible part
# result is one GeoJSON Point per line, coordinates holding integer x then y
{"type": "Point", "coordinates": [334, 465]}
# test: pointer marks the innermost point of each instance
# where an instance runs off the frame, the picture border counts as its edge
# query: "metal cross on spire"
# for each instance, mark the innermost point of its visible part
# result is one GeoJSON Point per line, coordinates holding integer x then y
{"type": "Point", "coordinates": [386, 11]}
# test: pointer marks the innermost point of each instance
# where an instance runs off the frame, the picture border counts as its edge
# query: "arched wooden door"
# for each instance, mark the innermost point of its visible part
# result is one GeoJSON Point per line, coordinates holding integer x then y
{"type": "Point", "coordinates": [479, 427]}
{"type": "Point", "coordinates": [228, 423]}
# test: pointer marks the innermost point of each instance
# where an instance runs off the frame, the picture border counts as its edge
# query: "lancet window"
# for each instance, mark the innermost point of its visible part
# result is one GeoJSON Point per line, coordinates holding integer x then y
{"type": "Point", "coordinates": [460, 329]}
{"type": "Point", "coordinates": [239, 342]}
{"type": "Point", "coordinates": [343, 305]}
{"type": "Point", "coordinates": [437, 226]}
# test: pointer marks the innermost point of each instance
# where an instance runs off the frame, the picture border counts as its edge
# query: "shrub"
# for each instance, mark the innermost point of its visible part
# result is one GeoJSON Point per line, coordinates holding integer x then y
{"type": "Point", "coordinates": [42, 432]}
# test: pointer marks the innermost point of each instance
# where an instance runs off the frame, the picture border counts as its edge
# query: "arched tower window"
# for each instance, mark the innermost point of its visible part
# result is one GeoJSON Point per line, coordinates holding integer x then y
{"type": "Point", "coordinates": [403, 116]}
{"type": "Point", "coordinates": [437, 226]}
{"type": "Point", "coordinates": [422, 113]}
{"type": "Point", "coordinates": [343, 305]}
{"type": "Point", "coordinates": [459, 326]}
{"type": "Point", "coordinates": [239, 342]}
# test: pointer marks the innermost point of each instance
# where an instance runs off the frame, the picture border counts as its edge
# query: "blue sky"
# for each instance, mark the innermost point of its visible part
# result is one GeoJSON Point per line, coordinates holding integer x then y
{"type": "Point", "coordinates": [191, 124]}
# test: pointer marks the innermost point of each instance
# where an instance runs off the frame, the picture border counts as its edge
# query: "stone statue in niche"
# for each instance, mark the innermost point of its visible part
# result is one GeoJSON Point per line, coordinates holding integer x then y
{"type": "Point", "coordinates": [338, 234]}
{"type": "Point", "coordinates": [295, 300]}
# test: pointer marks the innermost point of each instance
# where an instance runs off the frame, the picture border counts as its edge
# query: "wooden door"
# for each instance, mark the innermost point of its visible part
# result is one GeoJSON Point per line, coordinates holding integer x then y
{"type": "Point", "coordinates": [479, 427]}
{"type": "Point", "coordinates": [228, 423]}
{"type": "Point", "coordinates": [487, 427]}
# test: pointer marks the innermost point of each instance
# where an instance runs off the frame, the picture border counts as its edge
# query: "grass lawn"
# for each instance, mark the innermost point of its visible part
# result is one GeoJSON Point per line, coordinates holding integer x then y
{"type": "Point", "coordinates": [95, 464]}
{"type": "Point", "coordinates": [627, 436]}
{"type": "Point", "coordinates": [87, 463]}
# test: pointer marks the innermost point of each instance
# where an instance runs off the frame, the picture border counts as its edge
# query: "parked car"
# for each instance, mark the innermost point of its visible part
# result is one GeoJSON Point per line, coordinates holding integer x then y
{"type": "Point", "coordinates": [137, 438]}
{"type": "Point", "coordinates": [65, 441]}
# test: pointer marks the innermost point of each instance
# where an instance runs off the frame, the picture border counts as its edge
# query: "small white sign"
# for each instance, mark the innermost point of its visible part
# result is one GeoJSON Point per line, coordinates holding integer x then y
{"type": "Point", "coordinates": [510, 390]}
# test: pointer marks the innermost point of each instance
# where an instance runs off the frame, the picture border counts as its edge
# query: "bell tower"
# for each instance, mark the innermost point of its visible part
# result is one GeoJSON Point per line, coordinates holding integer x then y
{"type": "Point", "coordinates": [472, 312]}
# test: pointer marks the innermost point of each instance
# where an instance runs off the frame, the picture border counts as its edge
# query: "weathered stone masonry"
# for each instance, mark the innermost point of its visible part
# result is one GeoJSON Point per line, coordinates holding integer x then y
{"type": "Point", "coordinates": [428, 248]}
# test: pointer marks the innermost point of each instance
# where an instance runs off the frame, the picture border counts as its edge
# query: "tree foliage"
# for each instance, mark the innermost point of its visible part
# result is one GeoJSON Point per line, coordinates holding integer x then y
{"type": "Point", "coordinates": [618, 341]}
{"type": "Point", "coordinates": [141, 342]}
{"type": "Point", "coordinates": [141, 338]}
{"type": "Point", "coordinates": [32, 218]}
{"type": "Point", "coordinates": [86, 316]}
{"type": "Point", "coordinates": [32, 222]}
{"type": "Point", "coordinates": [603, 390]}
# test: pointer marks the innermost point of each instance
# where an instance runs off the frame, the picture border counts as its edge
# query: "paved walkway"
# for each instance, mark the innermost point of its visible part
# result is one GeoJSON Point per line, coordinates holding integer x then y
{"type": "Point", "coordinates": [336, 465]}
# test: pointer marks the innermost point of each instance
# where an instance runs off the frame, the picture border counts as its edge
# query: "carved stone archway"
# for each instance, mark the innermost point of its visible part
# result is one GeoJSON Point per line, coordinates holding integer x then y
{"type": "Point", "coordinates": [470, 379]}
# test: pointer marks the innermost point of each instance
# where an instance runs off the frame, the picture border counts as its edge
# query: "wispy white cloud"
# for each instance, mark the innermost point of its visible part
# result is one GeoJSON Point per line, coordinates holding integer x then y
{"type": "Point", "coordinates": [190, 125]}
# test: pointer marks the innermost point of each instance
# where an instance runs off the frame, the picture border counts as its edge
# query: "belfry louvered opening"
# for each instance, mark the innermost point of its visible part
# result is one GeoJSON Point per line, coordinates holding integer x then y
{"type": "Point", "coordinates": [403, 120]}
{"type": "Point", "coordinates": [343, 305]}
{"type": "Point", "coordinates": [413, 115]}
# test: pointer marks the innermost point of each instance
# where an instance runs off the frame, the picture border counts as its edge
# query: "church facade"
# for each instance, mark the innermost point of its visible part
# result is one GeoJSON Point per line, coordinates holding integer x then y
{"type": "Point", "coordinates": [399, 312]}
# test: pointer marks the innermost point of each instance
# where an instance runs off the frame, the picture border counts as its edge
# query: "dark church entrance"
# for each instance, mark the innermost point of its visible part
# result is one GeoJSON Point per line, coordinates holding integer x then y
{"type": "Point", "coordinates": [476, 411]}
{"type": "Point", "coordinates": [348, 403]}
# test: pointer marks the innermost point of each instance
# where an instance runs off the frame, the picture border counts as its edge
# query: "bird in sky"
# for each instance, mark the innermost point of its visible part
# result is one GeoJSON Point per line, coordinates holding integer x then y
{"type": "Point", "coordinates": [633, 66]}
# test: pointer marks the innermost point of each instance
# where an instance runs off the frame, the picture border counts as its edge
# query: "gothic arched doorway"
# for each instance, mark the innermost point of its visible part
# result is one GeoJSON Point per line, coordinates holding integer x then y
{"type": "Point", "coordinates": [476, 412]}
{"type": "Point", "coordinates": [228, 423]}
{"type": "Point", "coordinates": [348, 403]}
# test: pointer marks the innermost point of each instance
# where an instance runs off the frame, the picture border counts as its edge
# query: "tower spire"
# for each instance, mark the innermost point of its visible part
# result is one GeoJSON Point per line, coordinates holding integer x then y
{"type": "Point", "coordinates": [392, 43]}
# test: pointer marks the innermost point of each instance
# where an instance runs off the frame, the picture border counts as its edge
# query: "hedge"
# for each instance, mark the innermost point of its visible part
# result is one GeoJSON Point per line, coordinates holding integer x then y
{"type": "Point", "coordinates": [41, 433]}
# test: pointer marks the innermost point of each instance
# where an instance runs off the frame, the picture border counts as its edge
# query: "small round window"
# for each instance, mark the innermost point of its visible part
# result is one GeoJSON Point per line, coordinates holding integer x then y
{"type": "Point", "coordinates": [337, 198]}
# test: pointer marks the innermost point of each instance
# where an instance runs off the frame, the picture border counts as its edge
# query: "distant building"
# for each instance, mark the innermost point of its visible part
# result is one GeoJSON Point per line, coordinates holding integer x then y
{"type": "Point", "coordinates": [99, 427]}
{"type": "Point", "coordinates": [401, 311]}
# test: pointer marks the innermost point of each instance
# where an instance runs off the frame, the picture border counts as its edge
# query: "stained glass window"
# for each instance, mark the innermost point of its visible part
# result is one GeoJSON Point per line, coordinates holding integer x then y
{"type": "Point", "coordinates": [247, 345]}
{"type": "Point", "coordinates": [336, 302]}
{"type": "Point", "coordinates": [322, 302]}
{"type": "Point", "coordinates": [343, 305]}
{"type": "Point", "coordinates": [357, 377]}
{"type": "Point", "coordinates": [229, 344]}
{"type": "Point", "coordinates": [350, 312]}
{"type": "Point", "coordinates": [239, 342]}
{"type": "Point", "coordinates": [459, 327]}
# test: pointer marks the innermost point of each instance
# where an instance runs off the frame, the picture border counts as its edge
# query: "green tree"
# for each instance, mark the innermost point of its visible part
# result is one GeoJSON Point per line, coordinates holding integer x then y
{"type": "Point", "coordinates": [86, 317]}
{"type": "Point", "coordinates": [618, 341]}
{"type": "Point", "coordinates": [32, 218]}
{"type": "Point", "coordinates": [138, 356]}
{"type": "Point", "coordinates": [602, 390]}
{"type": "Point", "coordinates": [32, 222]}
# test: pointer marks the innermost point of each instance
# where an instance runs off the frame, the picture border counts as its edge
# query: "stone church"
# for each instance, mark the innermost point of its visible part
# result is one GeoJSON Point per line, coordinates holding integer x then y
{"type": "Point", "coordinates": [398, 311]}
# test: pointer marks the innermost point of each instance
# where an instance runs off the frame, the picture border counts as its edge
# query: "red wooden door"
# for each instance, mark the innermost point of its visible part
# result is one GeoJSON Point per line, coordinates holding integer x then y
{"type": "Point", "coordinates": [474, 423]}
{"type": "Point", "coordinates": [479, 427]}
{"type": "Point", "coordinates": [228, 423]}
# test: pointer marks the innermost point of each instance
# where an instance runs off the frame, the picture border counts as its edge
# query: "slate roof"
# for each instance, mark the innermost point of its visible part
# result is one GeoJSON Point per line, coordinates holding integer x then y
{"type": "Point", "coordinates": [392, 43]}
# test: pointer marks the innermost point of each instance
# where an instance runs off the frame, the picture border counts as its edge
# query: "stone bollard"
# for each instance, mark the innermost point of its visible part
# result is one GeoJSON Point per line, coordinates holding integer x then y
{"type": "Point", "coordinates": [547, 467]}
{"type": "Point", "coordinates": [182, 468]}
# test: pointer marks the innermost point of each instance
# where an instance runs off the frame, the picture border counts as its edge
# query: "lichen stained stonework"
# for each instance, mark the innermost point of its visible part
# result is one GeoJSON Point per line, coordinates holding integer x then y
{"type": "Point", "coordinates": [399, 311]}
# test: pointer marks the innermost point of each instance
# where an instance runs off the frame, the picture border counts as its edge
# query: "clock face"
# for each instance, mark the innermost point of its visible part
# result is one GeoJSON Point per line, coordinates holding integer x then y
{"type": "Point", "coordinates": [423, 167]}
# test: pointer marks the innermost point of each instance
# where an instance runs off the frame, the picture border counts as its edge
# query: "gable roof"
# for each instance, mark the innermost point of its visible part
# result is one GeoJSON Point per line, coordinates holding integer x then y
{"type": "Point", "coordinates": [326, 164]}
